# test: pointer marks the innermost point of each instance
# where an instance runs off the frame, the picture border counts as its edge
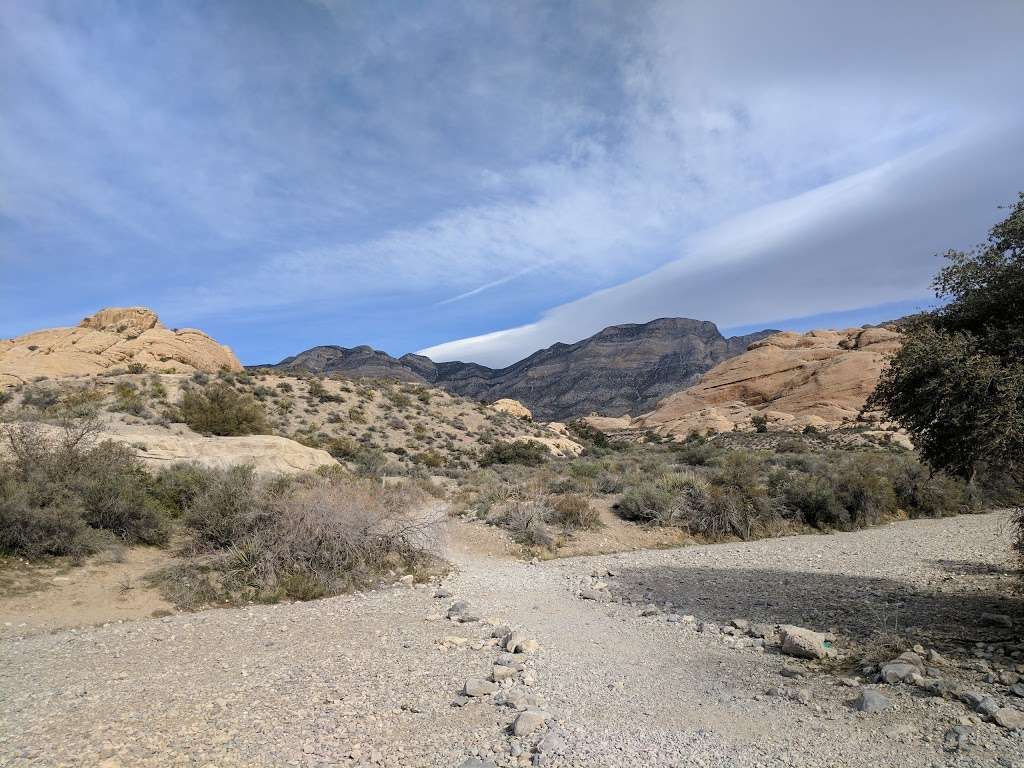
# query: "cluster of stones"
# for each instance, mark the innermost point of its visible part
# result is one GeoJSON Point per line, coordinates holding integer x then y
{"type": "Point", "coordinates": [505, 686]}
{"type": "Point", "coordinates": [1001, 665]}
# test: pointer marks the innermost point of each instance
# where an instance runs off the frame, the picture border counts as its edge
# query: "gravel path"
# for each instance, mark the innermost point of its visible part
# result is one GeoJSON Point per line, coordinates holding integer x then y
{"type": "Point", "coordinates": [370, 679]}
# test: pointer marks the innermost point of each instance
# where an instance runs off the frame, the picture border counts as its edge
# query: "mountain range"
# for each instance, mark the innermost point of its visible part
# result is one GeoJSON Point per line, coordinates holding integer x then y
{"type": "Point", "coordinates": [621, 369]}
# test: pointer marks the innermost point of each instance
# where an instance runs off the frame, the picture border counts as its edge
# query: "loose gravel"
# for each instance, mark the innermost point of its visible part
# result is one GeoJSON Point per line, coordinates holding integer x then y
{"type": "Point", "coordinates": [377, 679]}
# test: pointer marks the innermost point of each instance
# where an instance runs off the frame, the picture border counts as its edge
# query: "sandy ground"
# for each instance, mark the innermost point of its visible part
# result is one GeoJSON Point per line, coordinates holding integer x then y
{"type": "Point", "coordinates": [370, 679]}
{"type": "Point", "coordinates": [40, 599]}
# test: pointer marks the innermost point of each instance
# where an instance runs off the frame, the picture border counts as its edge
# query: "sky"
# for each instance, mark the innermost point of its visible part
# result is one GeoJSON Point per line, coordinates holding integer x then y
{"type": "Point", "coordinates": [480, 180]}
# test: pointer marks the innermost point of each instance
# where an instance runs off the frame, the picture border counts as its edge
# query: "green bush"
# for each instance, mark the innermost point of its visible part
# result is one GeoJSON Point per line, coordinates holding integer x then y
{"type": "Point", "coordinates": [231, 504]}
{"type": "Point", "coordinates": [62, 493]}
{"type": "Point", "coordinates": [174, 487]}
{"type": "Point", "coordinates": [646, 503]}
{"type": "Point", "coordinates": [219, 409]}
{"type": "Point", "coordinates": [525, 452]}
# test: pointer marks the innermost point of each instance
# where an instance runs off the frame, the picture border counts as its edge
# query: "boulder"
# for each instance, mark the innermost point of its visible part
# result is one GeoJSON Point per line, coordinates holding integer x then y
{"type": "Point", "coordinates": [803, 643]}
{"type": "Point", "coordinates": [513, 407]}
{"type": "Point", "coordinates": [161, 447]}
{"type": "Point", "coordinates": [871, 701]}
{"type": "Point", "coordinates": [1008, 717]}
{"type": "Point", "coordinates": [529, 721]}
{"type": "Point", "coordinates": [897, 672]}
{"type": "Point", "coordinates": [476, 687]}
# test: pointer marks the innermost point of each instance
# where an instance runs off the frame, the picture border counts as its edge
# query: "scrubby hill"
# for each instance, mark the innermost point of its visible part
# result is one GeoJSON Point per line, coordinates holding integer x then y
{"type": "Point", "coordinates": [291, 423]}
{"type": "Point", "coordinates": [130, 338]}
{"type": "Point", "coordinates": [621, 369]}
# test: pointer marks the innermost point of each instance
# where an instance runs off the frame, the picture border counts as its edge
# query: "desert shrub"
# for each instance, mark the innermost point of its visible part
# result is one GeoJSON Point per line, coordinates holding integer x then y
{"type": "Point", "coordinates": [925, 494]}
{"type": "Point", "coordinates": [593, 439]}
{"type": "Point", "coordinates": [760, 423]}
{"type": "Point", "coordinates": [609, 482]}
{"type": "Point", "coordinates": [63, 492]}
{"type": "Point", "coordinates": [128, 399]}
{"type": "Point", "coordinates": [31, 529]}
{"type": "Point", "coordinates": [574, 511]}
{"type": "Point", "coordinates": [308, 537]}
{"type": "Point", "coordinates": [6, 396]}
{"type": "Point", "coordinates": [645, 503]}
{"type": "Point", "coordinates": [695, 452]}
{"type": "Point", "coordinates": [218, 409]}
{"type": "Point", "coordinates": [810, 429]}
{"type": "Point", "coordinates": [525, 452]}
{"type": "Point", "coordinates": [398, 399]}
{"type": "Point", "coordinates": [175, 486]}
{"type": "Point", "coordinates": [813, 498]}
{"type": "Point", "coordinates": [864, 490]}
{"type": "Point", "coordinates": [114, 488]}
{"type": "Point", "coordinates": [369, 461]}
{"type": "Point", "coordinates": [136, 367]}
{"type": "Point", "coordinates": [230, 505]}
{"type": "Point", "coordinates": [40, 397]}
{"type": "Point", "coordinates": [430, 459]}
{"type": "Point", "coordinates": [526, 522]}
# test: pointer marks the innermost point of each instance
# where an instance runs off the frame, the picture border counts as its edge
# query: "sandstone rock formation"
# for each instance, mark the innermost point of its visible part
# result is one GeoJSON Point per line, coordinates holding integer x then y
{"type": "Point", "coordinates": [269, 454]}
{"type": "Point", "coordinates": [513, 407]}
{"type": "Point", "coordinates": [821, 378]}
{"type": "Point", "coordinates": [160, 447]}
{"type": "Point", "coordinates": [621, 369]}
{"type": "Point", "coordinates": [112, 338]}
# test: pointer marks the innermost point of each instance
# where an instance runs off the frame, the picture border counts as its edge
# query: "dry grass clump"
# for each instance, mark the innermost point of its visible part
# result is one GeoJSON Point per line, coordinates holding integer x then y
{"type": "Point", "coordinates": [573, 511]}
{"type": "Point", "coordinates": [268, 539]}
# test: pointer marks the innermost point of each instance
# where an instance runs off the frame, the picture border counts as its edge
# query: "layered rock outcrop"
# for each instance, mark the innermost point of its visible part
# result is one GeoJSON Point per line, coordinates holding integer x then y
{"type": "Point", "coordinates": [822, 378]}
{"type": "Point", "coordinates": [112, 338]}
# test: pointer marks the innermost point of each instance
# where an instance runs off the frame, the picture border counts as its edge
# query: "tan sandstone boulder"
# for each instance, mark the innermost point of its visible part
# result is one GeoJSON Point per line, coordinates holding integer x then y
{"type": "Point", "coordinates": [268, 454]}
{"type": "Point", "coordinates": [822, 378]}
{"type": "Point", "coordinates": [112, 338]}
{"type": "Point", "coordinates": [513, 407]}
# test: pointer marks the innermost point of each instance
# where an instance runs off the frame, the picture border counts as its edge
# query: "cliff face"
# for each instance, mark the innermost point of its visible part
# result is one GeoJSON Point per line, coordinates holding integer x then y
{"type": "Point", "coordinates": [112, 338]}
{"type": "Point", "coordinates": [622, 369]}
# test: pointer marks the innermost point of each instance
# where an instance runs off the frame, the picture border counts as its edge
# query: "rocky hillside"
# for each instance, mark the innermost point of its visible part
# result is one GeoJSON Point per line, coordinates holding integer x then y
{"type": "Point", "coordinates": [819, 378]}
{"type": "Point", "coordinates": [622, 369]}
{"type": "Point", "coordinates": [116, 338]}
{"type": "Point", "coordinates": [381, 427]}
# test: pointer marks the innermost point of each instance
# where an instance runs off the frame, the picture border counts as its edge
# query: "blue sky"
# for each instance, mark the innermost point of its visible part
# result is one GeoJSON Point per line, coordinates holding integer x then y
{"type": "Point", "coordinates": [483, 179]}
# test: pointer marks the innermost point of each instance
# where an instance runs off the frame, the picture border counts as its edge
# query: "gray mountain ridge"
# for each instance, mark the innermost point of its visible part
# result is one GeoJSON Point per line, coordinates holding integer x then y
{"type": "Point", "coordinates": [620, 369]}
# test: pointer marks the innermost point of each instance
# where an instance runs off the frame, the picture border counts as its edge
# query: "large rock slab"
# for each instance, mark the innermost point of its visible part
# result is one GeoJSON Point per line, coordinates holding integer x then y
{"type": "Point", "coordinates": [268, 454]}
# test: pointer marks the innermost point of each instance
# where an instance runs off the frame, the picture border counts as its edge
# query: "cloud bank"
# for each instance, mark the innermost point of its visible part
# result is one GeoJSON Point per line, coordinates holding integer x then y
{"type": "Point", "coordinates": [511, 175]}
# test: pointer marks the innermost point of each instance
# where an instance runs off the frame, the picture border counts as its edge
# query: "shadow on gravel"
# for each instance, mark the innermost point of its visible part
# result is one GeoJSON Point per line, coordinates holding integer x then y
{"type": "Point", "coordinates": [855, 607]}
{"type": "Point", "coordinates": [969, 568]}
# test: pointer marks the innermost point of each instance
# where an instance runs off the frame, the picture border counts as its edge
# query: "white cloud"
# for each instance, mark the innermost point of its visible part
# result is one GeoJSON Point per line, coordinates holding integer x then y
{"type": "Point", "coordinates": [868, 239]}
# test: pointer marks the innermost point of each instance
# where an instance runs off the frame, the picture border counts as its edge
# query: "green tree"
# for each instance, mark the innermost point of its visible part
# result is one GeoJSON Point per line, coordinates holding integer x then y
{"type": "Point", "coordinates": [957, 385]}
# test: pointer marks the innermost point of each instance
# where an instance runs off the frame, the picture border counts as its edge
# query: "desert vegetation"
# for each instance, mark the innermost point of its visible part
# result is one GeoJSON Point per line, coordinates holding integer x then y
{"type": "Point", "coordinates": [240, 537]}
{"type": "Point", "coordinates": [957, 384]}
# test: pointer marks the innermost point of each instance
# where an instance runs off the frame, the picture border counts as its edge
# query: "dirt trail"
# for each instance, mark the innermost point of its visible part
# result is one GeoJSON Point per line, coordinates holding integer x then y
{"type": "Point", "coordinates": [103, 590]}
{"type": "Point", "coordinates": [369, 679]}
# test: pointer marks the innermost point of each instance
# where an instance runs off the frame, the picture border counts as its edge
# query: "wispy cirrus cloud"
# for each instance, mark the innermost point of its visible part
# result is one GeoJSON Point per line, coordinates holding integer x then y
{"type": "Point", "coordinates": [401, 174]}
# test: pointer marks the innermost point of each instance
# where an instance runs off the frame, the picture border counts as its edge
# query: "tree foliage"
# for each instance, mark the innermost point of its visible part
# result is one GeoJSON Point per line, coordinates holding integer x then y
{"type": "Point", "coordinates": [957, 385]}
